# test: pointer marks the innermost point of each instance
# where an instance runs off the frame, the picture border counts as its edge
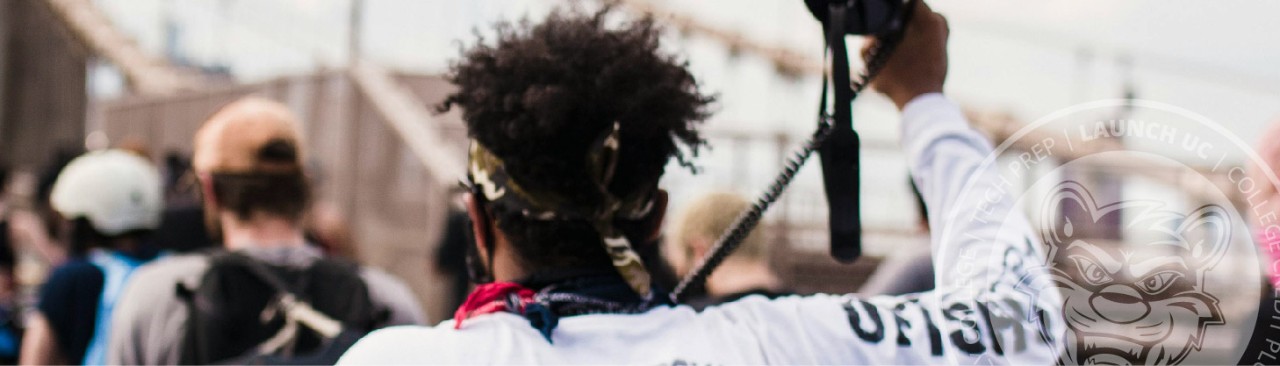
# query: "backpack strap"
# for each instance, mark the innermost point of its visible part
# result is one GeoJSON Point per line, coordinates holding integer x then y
{"type": "Point", "coordinates": [192, 351]}
{"type": "Point", "coordinates": [288, 302]}
{"type": "Point", "coordinates": [293, 308]}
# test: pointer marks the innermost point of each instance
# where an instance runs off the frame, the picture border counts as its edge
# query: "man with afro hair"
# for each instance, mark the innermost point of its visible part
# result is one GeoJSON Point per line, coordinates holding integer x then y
{"type": "Point", "coordinates": [572, 121]}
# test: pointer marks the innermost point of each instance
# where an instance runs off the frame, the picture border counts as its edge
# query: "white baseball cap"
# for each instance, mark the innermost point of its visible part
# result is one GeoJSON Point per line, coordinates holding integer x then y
{"type": "Point", "coordinates": [117, 191]}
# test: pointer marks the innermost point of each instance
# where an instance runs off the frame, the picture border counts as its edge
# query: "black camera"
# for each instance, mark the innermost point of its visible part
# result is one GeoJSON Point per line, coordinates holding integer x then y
{"type": "Point", "coordinates": [862, 17]}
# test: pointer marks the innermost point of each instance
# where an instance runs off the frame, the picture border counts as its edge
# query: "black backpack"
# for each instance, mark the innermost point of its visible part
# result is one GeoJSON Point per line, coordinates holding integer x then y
{"type": "Point", "coordinates": [248, 312]}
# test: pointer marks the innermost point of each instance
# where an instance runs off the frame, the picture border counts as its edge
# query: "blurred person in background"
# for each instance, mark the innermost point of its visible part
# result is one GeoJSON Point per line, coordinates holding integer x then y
{"type": "Point", "coordinates": [326, 228]}
{"type": "Point", "coordinates": [744, 273]}
{"type": "Point", "coordinates": [325, 225]}
{"type": "Point", "coordinates": [135, 145]}
{"type": "Point", "coordinates": [37, 227]}
{"type": "Point", "coordinates": [451, 252]}
{"type": "Point", "coordinates": [63, 248]}
{"type": "Point", "coordinates": [182, 225]}
{"type": "Point", "coordinates": [1266, 233]}
{"type": "Point", "coordinates": [909, 269]}
{"type": "Point", "coordinates": [1266, 228]}
{"type": "Point", "coordinates": [244, 303]}
{"type": "Point", "coordinates": [180, 186]}
{"type": "Point", "coordinates": [10, 312]}
{"type": "Point", "coordinates": [573, 120]}
{"type": "Point", "coordinates": [109, 201]}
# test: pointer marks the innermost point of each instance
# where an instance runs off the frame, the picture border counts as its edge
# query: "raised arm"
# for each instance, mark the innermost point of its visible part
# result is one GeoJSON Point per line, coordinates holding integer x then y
{"type": "Point", "coordinates": [971, 207]}
{"type": "Point", "coordinates": [990, 305]}
{"type": "Point", "coordinates": [987, 259]}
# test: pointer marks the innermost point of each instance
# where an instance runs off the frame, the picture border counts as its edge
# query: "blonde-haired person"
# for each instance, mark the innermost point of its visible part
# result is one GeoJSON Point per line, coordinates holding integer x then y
{"type": "Point", "coordinates": [744, 273]}
{"type": "Point", "coordinates": [909, 269]}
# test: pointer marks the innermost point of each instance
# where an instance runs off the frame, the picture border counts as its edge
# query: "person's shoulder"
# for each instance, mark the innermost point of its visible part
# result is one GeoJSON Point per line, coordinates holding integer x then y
{"type": "Point", "coordinates": [381, 283]}
{"type": "Point", "coordinates": [772, 299]}
{"type": "Point", "coordinates": [178, 265]}
{"type": "Point", "coordinates": [390, 291]}
{"type": "Point", "coordinates": [159, 276]}
{"type": "Point", "coordinates": [760, 309]}
{"type": "Point", "coordinates": [406, 344]}
{"type": "Point", "coordinates": [406, 335]}
{"type": "Point", "coordinates": [149, 315]}
{"type": "Point", "coordinates": [75, 269]}
{"type": "Point", "coordinates": [378, 277]}
{"type": "Point", "coordinates": [448, 345]}
{"type": "Point", "coordinates": [73, 281]}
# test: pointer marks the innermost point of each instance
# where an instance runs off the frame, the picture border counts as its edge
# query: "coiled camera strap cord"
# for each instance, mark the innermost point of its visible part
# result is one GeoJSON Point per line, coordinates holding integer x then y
{"type": "Point", "coordinates": [834, 139]}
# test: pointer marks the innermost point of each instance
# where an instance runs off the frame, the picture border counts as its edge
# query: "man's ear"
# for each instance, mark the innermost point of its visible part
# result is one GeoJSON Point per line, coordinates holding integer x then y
{"type": "Point", "coordinates": [479, 226]}
{"type": "Point", "coordinates": [206, 189]}
{"type": "Point", "coordinates": [210, 207]}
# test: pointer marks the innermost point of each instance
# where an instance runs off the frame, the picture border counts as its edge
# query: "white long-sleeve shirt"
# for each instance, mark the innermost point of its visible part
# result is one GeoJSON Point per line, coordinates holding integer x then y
{"type": "Point", "coordinates": [984, 253]}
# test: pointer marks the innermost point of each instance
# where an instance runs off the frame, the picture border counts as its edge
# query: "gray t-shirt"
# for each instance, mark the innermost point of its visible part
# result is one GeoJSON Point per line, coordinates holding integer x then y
{"type": "Point", "coordinates": [150, 319]}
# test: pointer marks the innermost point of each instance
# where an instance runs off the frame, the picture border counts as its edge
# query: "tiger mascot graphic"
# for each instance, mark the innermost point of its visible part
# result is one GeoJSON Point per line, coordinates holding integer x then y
{"type": "Point", "coordinates": [1142, 302]}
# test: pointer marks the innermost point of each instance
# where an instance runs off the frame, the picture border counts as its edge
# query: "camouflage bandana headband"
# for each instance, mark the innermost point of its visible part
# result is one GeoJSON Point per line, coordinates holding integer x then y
{"type": "Point", "coordinates": [488, 173]}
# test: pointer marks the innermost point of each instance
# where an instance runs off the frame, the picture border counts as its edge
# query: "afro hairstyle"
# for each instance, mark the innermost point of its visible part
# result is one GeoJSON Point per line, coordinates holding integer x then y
{"type": "Point", "coordinates": [538, 95]}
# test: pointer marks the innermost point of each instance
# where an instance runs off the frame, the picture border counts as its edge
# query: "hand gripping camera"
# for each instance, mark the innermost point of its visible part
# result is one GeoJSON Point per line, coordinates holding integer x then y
{"type": "Point", "coordinates": [835, 140]}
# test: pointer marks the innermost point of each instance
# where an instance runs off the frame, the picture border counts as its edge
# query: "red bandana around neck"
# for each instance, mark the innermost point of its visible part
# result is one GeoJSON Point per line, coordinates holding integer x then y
{"type": "Point", "coordinates": [491, 298]}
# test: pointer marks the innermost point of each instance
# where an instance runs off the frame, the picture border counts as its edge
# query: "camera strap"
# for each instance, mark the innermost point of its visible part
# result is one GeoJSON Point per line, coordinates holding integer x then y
{"type": "Point", "coordinates": [840, 158]}
{"type": "Point", "coordinates": [840, 154]}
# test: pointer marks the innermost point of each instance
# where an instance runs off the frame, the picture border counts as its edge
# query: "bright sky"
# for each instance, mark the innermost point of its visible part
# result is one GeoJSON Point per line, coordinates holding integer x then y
{"type": "Point", "coordinates": [1219, 59]}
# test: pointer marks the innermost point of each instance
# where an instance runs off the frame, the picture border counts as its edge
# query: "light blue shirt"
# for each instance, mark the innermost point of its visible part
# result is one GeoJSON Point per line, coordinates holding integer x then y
{"type": "Point", "coordinates": [116, 270]}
